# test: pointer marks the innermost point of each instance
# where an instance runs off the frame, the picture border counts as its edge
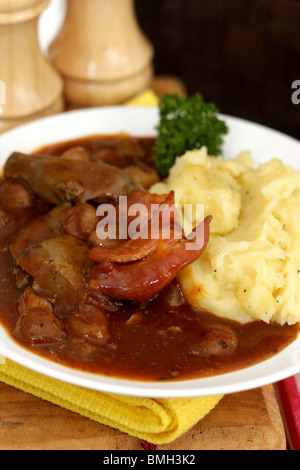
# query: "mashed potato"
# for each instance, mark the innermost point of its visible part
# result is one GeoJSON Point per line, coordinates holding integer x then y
{"type": "Point", "coordinates": [250, 269]}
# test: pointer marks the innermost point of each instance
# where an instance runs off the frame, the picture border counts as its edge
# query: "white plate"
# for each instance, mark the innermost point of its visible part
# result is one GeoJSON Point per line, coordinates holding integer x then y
{"type": "Point", "coordinates": [140, 121]}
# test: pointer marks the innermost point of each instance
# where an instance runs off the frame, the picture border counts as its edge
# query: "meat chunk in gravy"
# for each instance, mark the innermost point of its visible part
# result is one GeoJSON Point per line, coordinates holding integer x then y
{"type": "Point", "coordinates": [36, 323]}
{"type": "Point", "coordinates": [15, 196]}
{"type": "Point", "coordinates": [218, 340]}
{"type": "Point", "coordinates": [90, 322]}
{"type": "Point", "coordinates": [37, 326]}
{"type": "Point", "coordinates": [38, 229]}
{"type": "Point", "coordinates": [57, 267]}
{"type": "Point", "coordinates": [56, 180]}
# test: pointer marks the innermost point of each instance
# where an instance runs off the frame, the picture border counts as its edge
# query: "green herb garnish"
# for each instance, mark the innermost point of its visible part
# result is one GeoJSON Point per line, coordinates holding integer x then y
{"type": "Point", "coordinates": [186, 124]}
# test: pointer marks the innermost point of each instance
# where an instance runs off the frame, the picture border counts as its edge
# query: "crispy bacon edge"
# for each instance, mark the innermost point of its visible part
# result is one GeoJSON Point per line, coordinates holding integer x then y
{"type": "Point", "coordinates": [139, 269]}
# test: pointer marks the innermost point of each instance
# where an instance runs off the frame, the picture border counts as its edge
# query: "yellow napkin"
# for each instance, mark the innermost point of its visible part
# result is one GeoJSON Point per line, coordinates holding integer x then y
{"type": "Point", "coordinates": [158, 421]}
{"type": "Point", "coordinates": [147, 98]}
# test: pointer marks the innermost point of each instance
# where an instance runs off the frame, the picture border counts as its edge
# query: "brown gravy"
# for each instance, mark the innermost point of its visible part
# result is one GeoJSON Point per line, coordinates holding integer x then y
{"type": "Point", "coordinates": [154, 341]}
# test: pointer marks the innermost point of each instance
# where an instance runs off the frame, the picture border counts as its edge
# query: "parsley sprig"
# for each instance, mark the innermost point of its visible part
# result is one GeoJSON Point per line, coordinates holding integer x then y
{"type": "Point", "coordinates": [186, 124]}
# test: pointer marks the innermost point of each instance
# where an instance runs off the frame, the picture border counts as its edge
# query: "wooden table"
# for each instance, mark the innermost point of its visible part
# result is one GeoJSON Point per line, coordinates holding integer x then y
{"type": "Point", "coordinates": [244, 421]}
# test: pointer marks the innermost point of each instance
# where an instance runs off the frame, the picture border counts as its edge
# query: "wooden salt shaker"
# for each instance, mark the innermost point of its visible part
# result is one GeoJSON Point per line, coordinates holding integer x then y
{"type": "Point", "coordinates": [101, 53]}
{"type": "Point", "coordinates": [30, 87]}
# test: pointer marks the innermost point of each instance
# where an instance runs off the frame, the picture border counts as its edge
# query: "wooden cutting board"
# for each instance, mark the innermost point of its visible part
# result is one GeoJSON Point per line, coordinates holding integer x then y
{"type": "Point", "coordinates": [244, 421]}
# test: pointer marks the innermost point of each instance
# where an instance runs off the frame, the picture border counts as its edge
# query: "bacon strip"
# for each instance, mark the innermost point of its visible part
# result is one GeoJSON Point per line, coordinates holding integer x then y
{"type": "Point", "coordinates": [142, 280]}
{"type": "Point", "coordinates": [140, 197]}
{"type": "Point", "coordinates": [137, 248]}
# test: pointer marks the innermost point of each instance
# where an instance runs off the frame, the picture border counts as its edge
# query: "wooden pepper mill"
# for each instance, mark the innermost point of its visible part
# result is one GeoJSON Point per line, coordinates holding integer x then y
{"type": "Point", "coordinates": [101, 53]}
{"type": "Point", "coordinates": [30, 87]}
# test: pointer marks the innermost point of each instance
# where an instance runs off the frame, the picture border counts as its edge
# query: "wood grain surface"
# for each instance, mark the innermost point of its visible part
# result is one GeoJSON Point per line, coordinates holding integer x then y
{"type": "Point", "coordinates": [33, 89]}
{"type": "Point", "coordinates": [101, 53]}
{"type": "Point", "coordinates": [249, 420]}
